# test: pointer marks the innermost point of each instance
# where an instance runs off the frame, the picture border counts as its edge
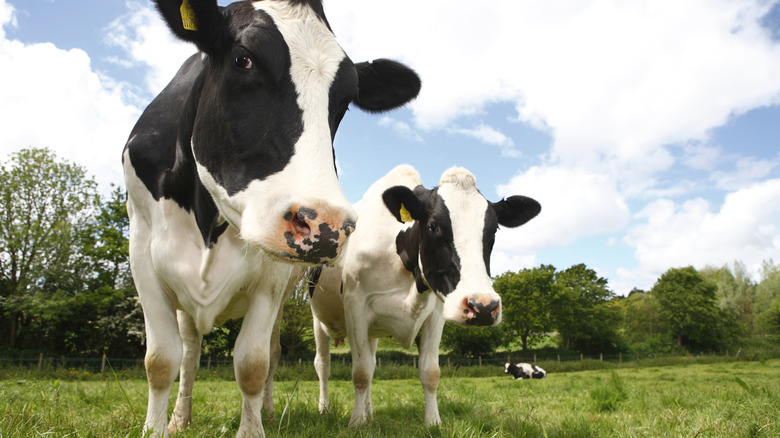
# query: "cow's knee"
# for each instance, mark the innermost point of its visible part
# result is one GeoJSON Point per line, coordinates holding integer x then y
{"type": "Point", "coordinates": [361, 379]}
{"type": "Point", "coordinates": [161, 369]}
{"type": "Point", "coordinates": [430, 378]}
{"type": "Point", "coordinates": [251, 372]}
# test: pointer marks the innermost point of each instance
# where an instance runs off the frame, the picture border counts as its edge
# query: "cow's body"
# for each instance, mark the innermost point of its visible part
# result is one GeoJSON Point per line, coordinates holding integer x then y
{"type": "Point", "coordinates": [231, 184]}
{"type": "Point", "coordinates": [524, 371]}
{"type": "Point", "coordinates": [400, 279]}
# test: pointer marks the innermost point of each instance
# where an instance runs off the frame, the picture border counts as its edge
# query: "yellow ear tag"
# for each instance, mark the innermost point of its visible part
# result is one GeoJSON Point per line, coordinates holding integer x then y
{"type": "Point", "coordinates": [188, 19]}
{"type": "Point", "coordinates": [405, 215]}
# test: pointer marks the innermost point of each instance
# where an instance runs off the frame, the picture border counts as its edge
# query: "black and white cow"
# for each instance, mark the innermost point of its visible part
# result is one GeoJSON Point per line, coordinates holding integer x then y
{"type": "Point", "coordinates": [417, 258]}
{"type": "Point", "coordinates": [231, 182]}
{"type": "Point", "coordinates": [524, 371]}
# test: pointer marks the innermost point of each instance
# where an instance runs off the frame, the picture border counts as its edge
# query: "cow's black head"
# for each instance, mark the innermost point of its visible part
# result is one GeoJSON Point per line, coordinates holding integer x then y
{"type": "Point", "coordinates": [263, 113]}
{"type": "Point", "coordinates": [452, 236]}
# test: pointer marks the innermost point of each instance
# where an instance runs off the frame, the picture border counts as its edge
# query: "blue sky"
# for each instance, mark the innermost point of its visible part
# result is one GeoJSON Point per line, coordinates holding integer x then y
{"type": "Point", "coordinates": [649, 130]}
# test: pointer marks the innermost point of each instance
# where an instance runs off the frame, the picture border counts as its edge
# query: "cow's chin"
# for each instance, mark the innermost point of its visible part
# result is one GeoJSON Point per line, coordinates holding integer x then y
{"type": "Point", "coordinates": [303, 259]}
{"type": "Point", "coordinates": [472, 308]}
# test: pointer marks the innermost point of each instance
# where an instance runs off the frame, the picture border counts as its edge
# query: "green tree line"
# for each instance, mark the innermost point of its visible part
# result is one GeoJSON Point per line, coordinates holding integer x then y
{"type": "Point", "coordinates": [66, 288]}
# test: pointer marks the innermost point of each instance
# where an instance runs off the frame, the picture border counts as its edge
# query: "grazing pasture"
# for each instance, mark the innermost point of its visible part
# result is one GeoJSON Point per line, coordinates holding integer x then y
{"type": "Point", "coordinates": [734, 399]}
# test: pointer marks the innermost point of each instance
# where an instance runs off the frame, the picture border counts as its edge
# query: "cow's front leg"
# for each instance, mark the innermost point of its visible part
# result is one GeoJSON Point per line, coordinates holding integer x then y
{"type": "Point", "coordinates": [251, 360]}
{"type": "Point", "coordinates": [273, 361]}
{"type": "Point", "coordinates": [322, 362]}
{"type": "Point", "coordinates": [373, 343]}
{"type": "Point", "coordinates": [363, 364]}
{"type": "Point", "coordinates": [191, 341]}
{"type": "Point", "coordinates": [430, 337]}
{"type": "Point", "coordinates": [163, 356]}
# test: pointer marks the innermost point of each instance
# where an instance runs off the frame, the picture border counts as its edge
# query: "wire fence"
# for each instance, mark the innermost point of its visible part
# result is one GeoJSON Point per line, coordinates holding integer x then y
{"type": "Point", "coordinates": [133, 367]}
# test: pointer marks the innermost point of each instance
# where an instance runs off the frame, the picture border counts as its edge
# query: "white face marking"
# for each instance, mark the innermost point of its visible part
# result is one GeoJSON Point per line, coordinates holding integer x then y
{"type": "Point", "coordinates": [467, 209]}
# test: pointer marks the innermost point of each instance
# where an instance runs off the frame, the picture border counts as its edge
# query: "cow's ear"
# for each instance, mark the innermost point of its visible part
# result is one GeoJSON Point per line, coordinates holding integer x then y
{"type": "Point", "coordinates": [404, 204]}
{"type": "Point", "coordinates": [385, 85]}
{"type": "Point", "coordinates": [516, 210]}
{"type": "Point", "coordinates": [196, 21]}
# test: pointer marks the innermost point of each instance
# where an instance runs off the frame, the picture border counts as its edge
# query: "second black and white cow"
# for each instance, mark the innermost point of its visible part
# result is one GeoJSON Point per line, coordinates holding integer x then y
{"type": "Point", "coordinates": [231, 179]}
{"type": "Point", "coordinates": [524, 371]}
{"type": "Point", "coordinates": [417, 258]}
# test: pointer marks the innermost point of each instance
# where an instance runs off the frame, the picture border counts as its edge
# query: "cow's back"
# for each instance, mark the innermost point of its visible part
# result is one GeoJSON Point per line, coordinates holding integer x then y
{"type": "Point", "coordinates": [373, 240]}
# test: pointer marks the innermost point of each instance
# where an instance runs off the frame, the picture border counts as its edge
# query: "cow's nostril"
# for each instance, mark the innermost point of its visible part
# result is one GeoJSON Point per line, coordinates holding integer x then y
{"type": "Point", "coordinates": [300, 226]}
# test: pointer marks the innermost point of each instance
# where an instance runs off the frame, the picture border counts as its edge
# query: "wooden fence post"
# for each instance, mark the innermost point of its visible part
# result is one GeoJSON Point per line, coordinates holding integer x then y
{"type": "Point", "coordinates": [208, 363]}
{"type": "Point", "coordinates": [40, 361]}
{"type": "Point", "coordinates": [103, 365]}
{"type": "Point", "coordinates": [601, 357]}
{"type": "Point", "coordinates": [480, 360]}
{"type": "Point", "coordinates": [559, 359]}
{"type": "Point", "coordinates": [621, 357]}
{"type": "Point", "coordinates": [581, 358]}
{"type": "Point", "coordinates": [534, 357]}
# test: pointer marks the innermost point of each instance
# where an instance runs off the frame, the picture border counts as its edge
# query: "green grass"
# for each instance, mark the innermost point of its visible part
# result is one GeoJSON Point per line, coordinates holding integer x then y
{"type": "Point", "coordinates": [737, 399]}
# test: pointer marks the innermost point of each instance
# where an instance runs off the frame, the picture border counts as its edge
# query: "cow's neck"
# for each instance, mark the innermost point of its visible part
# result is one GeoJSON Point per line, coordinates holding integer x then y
{"type": "Point", "coordinates": [407, 244]}
{"type": "Point", "coordinates": [181, 182]}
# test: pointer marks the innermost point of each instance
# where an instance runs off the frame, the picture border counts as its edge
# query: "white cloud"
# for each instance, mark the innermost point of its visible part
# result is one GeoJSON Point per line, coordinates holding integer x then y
{"type": "Point", "coordinates": [401, 128]}
{"type": "Point", "coordinates": [575, 204]}
{"type": "Point", "coordinates": [51, 97]}
{"type": "Point", "coordinates": [148, 42]}
{"type": "Point", "coordinates": [746, 228]}
{"type": "Point", "coordinates": [613, 81]}
{"type": "Point", "coordinates": [747, 171]}
{"type": "Point", "coordinates": [701, 157]}
{"type": "Point", "coordinates": [503, 261]}
{"type": "Point", "coordinates": [489, 135]}
{"type": "Point", "coordinates": [7, 17]}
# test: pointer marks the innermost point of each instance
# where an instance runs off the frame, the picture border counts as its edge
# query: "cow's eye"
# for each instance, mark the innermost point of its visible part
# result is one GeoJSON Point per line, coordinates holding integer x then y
{"type": "Point", "coordinates": [433, 227]}
{"type": "Point", "coordinates": [242, 62]}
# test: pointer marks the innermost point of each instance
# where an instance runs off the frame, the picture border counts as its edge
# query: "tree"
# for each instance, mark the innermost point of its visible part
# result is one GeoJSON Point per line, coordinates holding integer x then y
{"type": "Point", "coordinates": [583, 314]}
{"type": "Point", "coordinates": [527, 297]}
{"type": "Point", "coordinates": [640, 318]}
{"type": "Point", "coordinates": [687, 305]}
{"type": "Point", "coordinates": [736, 291]}
{"type": "Point", "coordinates": [470, 341]}
{"type": "Point", "coordinates": [297, 331]}
{"type": "Point", "coordinates": [46, 207]}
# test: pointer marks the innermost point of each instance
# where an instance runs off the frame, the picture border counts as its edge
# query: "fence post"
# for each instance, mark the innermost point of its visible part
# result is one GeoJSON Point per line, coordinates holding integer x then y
{"type": "Point", "coordinates": [40, 361]}
{"type": "Point", "coordinates": [103, 365]}
{"type": "Point", "coordinates": [208, 363]}
{"type": "Point", "coordinates": [534, 357]}
{"type": "Point", "coordinates": [581, 358]}
{"type": "Point", "coordinates": [601, 357]}
{"type": "Point", "coordinates": [621, 357]}
{"type": "Point", "coordinates": [559, 359]}
{"type": "Point", "coordinates": [508, 359]}
{"type": "Point", "coordinates": [480, 361]}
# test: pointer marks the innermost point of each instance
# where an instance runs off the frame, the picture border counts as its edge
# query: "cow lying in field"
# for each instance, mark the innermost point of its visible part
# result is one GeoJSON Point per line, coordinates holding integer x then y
{"type": "Point", "coordinates": [417, 257]}
{"type": "Point", "coordinates": [524, 371]}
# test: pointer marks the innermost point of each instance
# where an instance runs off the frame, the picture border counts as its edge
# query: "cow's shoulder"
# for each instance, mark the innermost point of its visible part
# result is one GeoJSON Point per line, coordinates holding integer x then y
{"type": "Point", "coordinates": [151, 147]}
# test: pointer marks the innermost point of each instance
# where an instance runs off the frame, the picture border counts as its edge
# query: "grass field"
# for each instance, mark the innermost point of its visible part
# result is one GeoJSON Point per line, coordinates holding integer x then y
{"type": "Point", "coordinates": [736, 399]}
